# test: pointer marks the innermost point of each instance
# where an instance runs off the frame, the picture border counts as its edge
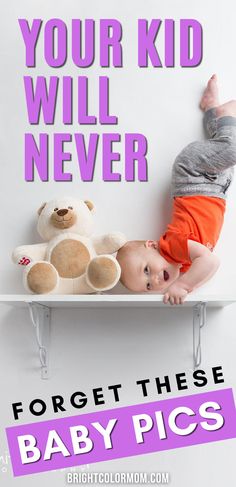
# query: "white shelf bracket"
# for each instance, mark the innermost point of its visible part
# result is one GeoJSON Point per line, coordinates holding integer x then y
{"type": "Point", "coordinates": [41, 318]}
{"type": "Point", "coordinates": [199, 320]}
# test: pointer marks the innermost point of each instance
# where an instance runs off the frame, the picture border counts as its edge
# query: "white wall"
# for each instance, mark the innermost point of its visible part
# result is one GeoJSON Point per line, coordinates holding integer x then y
{"type": "Point", "coordinates": [91, 349]}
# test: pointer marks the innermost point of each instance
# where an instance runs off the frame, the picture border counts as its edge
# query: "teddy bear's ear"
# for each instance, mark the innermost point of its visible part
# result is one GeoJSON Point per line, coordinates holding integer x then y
{"type": "Point", "coordinates": [89, 204]}
{"type": "Point", "coordinates": [41, 208]}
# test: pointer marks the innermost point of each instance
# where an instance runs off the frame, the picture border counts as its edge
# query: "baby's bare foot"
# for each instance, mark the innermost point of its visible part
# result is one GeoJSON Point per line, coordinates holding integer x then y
{"type": "Point", "coordinates": [227, 109]}
{"type": "Point", "coordinates": [210, 97]}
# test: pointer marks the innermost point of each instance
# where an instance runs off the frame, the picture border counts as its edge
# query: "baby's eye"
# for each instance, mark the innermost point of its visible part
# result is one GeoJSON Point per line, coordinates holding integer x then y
{"type": "Point", "coordinates": [146, 270]}
{"type": "Point", "coordinates": [148, 286]}
{"type": "Point", "coordinates": [56, 209]}
{"type": "Point", "coordinates": [70, 207]}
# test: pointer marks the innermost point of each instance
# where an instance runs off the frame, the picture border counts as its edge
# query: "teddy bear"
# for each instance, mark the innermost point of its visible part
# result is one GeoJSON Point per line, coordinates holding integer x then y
{"type": "Point", "coordinates": [70, 260]}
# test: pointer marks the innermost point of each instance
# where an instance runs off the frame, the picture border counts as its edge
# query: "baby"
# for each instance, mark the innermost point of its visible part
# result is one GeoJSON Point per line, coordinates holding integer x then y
{"type": "Point", "coordinates": [182, 259]}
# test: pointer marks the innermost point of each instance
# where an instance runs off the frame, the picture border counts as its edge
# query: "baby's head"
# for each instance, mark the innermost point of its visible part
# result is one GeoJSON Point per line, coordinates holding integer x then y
{"type": "Point", "coordinates": [143, 268]}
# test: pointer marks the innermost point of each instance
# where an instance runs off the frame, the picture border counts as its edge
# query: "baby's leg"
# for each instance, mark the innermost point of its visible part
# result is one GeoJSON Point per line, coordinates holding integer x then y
{"type": "Point", "coordinates": [214, 111]}
{"type": "Point", "coordinates": [218, 153]}
{"type": "Point", "coordinates": [207, 167]}
{"type": "Point", "coordinates": [227, 111]}
{"type": "Point", "coordinates": [210, 97]}
{"type": "Point", "coordinates": [208, 103]}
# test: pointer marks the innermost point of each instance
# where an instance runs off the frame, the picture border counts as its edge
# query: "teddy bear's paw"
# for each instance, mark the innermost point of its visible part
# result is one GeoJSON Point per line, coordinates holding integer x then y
{"type": "Point", "coordinates": [115, 241]}
{"type": "Point", "coordinates": [42, 278]}
{"type": "Point", "coordinates": [103, 273]}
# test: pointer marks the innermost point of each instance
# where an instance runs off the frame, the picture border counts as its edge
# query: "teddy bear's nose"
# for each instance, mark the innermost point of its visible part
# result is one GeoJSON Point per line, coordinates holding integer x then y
{"type": "Point", "coordinates": [62, 212]}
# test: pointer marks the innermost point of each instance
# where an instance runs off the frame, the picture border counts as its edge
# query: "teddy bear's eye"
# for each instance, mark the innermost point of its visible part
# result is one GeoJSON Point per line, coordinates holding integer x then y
{"type": "Point", "coordinates": [70, 207]}
{"type": "Point", "coordinates": [55, 209]}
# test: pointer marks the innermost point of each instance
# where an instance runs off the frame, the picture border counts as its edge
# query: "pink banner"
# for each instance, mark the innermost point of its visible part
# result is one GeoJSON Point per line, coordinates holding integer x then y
{"type": "Point", "coordinates": [122, 432]}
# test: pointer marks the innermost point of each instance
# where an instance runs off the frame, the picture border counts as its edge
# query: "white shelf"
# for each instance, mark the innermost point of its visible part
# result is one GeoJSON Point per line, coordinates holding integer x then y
{"type": "Point", "coordinates": [40, 309]}
{"type": "Point", "coordinates": [112, 300]}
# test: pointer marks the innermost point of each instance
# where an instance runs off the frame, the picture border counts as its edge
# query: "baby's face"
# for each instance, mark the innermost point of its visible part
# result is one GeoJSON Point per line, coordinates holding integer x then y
{"type": "Point", "coordinates": [146, 270]}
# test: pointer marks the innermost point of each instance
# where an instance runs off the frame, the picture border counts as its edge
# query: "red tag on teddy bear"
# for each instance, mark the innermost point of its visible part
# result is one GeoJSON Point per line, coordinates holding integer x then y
{"type": "Point", "coordinates": [24, 261]}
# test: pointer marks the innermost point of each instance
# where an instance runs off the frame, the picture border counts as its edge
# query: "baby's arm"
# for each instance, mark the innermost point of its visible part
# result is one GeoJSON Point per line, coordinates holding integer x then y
{"type": "Point", "coordinates": [204, 265]}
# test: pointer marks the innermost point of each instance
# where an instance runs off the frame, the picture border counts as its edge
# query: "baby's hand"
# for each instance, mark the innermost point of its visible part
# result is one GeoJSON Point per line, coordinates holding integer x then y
{"type": "Point", "coordinates": [175, 294]}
